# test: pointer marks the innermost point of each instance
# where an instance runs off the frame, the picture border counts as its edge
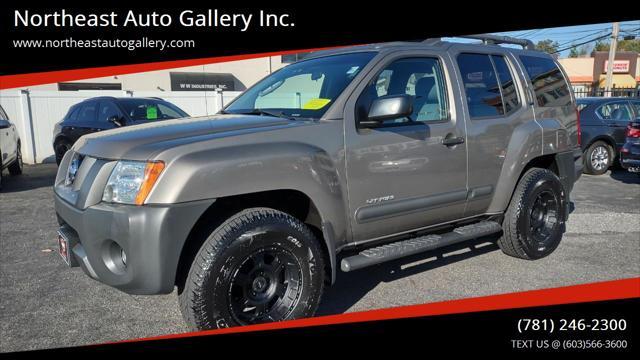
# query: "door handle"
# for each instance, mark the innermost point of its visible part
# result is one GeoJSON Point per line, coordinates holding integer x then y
{"type": "Point", "coordinates": [452, 141]}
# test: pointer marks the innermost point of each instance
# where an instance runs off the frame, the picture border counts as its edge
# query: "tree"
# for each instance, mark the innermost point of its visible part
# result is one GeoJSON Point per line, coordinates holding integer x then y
{"type": "Point", "coordinates": [629, 45]}
{"type": "Point", "coordinates": [578, 51]}
{"type": "Point", "coordinates": [623, 45]}
{"type": "Point", "coordinates": [548, 46]}
{"type": "Point", "coordinates": [601, 46]}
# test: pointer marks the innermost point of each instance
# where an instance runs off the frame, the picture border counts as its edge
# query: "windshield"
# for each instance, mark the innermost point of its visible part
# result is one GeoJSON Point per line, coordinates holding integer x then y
{"type": "Point", "coordinates": [304, 89]}
{"type": "Point", "coordinates": [151, 109]}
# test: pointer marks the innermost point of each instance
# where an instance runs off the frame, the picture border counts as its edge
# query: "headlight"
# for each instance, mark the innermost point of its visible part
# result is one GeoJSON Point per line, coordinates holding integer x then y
{"type": "Point", "coordinates": [131, 182]}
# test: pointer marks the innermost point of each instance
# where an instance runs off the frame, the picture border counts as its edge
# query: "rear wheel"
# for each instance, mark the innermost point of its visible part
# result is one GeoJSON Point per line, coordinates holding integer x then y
{"type": "Point", "coordinates": [598, 158]}
{"type": "Point", "coordinates": [16, 167]}
{"type": "Point", "coordinates": [261, 265]}
{"type": "Point", "coordinates": [534, 222]}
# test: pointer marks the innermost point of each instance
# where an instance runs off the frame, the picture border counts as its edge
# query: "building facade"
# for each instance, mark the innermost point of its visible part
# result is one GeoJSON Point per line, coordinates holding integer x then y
{"type": "Point", "coordinates": [227, 76]}
{"type": "Point", "coordinates": [588, 74]}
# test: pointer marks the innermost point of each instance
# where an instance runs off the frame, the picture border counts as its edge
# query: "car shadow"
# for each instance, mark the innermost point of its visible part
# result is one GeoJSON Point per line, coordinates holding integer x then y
{"type": "Point", "coordinates": [33, 177]}
{"type": "Point", "coordinates": [624, 176]}
{"type": "Point", "coordinates": [352, 286]}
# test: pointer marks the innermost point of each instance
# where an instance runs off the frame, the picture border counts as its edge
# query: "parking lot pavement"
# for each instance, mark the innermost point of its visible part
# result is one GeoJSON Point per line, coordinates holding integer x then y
{"type": "Point", "coordinates": [43, 304]}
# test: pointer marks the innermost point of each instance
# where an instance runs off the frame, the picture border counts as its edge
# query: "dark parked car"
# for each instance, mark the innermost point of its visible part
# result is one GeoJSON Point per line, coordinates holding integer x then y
{"type": "Point", "coordinates": [104, 113]}
{"type": "Point", "coordinates": [603, 122]}
{"type": "Point", "coordinates": [630, 152]}
{"type": "Point", "coordinates": [10, 155]}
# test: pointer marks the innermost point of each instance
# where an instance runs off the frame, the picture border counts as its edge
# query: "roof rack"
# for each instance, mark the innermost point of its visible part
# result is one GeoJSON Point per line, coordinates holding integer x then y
{"type": "Point", "coordinates": [497, 39]}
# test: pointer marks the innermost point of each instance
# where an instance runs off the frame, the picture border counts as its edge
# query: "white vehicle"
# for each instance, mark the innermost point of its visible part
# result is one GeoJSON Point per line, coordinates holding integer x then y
{"type": "Point", "coordinates": [10, 155]}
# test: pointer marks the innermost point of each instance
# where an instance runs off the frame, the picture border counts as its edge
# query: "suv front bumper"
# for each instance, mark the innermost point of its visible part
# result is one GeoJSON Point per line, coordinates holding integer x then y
{"type": "Point", "coordinates": [151, 237]}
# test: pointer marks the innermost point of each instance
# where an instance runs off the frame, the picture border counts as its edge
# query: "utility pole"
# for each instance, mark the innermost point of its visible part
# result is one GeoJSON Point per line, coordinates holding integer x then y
{"type": "Point", "coordinates": [612, 57]}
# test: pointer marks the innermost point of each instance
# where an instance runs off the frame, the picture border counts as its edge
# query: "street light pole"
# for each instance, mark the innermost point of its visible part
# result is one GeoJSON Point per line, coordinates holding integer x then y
{"type": "Point", "coordinates": [612, 56]}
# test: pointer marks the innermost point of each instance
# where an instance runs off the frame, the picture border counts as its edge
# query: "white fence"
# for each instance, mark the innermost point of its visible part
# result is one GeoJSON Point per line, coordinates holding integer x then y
{"type": "Point", "coordinates": [36, 112]}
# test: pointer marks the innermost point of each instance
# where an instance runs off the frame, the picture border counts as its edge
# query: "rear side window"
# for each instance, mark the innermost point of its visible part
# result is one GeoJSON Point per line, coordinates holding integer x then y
{"type": "Point", "coordinates": [614, 112]}
{"type": "Point", "coordinates": [108, 110]}
{"type": "Point", "coordinates": [549, 85]}
{"type": "Point", "coordinates": [87, 112]}
{"type": "Point", "coordinates": [3, 115]}
{"type": "Point", "coordinates": [507, 85]}
{"type": "Point", "coordinates": [488, 85]}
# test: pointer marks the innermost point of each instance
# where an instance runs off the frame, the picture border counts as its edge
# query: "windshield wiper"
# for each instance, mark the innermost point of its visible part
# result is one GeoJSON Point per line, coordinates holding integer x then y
{"type": "Point", "coordinates": [261, 112]}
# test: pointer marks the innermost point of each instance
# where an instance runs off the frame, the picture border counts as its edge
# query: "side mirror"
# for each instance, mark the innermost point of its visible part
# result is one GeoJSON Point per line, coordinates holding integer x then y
{"type": "Point", "coordinates": [4, 124]}
{"type": "Point", "coordinates": [388, 108]}
{"type": "Point", "coordinates": [117, 120]}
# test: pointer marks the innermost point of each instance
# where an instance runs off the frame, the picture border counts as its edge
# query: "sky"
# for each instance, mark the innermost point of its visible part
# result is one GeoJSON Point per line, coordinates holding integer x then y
{"type": "Point", "coordinates": [567, 35]}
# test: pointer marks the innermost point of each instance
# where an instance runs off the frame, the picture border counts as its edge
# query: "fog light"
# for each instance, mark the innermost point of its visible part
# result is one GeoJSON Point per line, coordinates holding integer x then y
{"type": "Point", "coordinates": [114, 257]}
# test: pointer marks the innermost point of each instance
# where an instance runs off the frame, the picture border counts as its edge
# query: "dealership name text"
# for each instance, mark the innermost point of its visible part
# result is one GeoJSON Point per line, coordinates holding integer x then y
{"type": "Point", "coordinates": [186, 18]}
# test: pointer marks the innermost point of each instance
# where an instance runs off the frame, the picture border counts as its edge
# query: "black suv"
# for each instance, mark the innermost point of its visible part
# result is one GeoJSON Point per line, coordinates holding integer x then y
{"type": "Point", "coordinates": [103, 113]}
{"type": "Point", "coordinates": [603, 122]}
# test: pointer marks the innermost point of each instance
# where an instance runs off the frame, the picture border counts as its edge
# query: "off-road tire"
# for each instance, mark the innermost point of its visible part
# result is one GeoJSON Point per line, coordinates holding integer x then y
{"type": "Point", "coordinates": [518, 239]}
{"type": "Point", "coordinates": [206, 299]}
{"type": "Point", "coordinates": [589, 167]}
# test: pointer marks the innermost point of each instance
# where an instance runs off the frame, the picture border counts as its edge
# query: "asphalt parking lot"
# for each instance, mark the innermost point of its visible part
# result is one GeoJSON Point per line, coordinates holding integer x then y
{"type": "Point", "coordinates": [44, 304]}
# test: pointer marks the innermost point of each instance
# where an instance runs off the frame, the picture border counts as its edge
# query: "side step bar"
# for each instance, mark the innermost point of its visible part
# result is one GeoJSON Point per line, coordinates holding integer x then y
{"type": "Point", "coordinates": [417, 245]}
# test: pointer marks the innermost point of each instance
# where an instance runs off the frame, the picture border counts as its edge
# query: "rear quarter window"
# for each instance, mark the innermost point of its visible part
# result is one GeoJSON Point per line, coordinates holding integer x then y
{"type": "Point", "coordinates": [550, 87]}
{"type": "Point", "coordinates": [72, 115]}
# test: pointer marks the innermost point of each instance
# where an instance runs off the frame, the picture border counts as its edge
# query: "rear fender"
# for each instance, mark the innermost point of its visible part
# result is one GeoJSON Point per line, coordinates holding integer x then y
{"type": "Point", "coordinates": [525, 145]}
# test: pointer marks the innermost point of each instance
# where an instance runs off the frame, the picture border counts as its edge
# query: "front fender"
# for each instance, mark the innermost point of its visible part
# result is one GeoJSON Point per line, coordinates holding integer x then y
{"type": "Point", "coordinates": [250, 168]}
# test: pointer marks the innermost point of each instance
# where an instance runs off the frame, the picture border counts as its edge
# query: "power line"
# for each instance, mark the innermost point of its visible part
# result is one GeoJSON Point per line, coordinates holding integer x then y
{"type": "Point", "coordinates": [588, 41]}
{"type": "Point", "coordinates": [561, 33]}
{"type": "Point", "coordinates": [580, 38]}
{"type": "Point", "coordinates": [530, 32]}
{"type": "Point", "coordinates": [583, 43]}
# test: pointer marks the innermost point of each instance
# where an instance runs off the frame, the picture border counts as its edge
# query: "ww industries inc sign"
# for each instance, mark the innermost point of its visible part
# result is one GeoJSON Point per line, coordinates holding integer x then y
{"type": "Point", "coordinates": [196, 81]}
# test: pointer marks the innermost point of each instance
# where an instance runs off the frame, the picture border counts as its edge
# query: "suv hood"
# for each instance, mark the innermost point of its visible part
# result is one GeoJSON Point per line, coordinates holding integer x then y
{"type": "Point", "coordinates": [141, 142]}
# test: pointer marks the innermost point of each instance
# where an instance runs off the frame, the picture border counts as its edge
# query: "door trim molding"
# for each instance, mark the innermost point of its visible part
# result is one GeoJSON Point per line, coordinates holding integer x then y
{"type": "Point", "coordinates": [406, 206]}
{"type": "Point", "coordinates": [399, 207]}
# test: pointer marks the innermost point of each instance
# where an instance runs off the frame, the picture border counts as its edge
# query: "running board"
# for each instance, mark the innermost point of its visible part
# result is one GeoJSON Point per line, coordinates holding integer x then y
{"type": "Point", "coordinates": [417, 245]}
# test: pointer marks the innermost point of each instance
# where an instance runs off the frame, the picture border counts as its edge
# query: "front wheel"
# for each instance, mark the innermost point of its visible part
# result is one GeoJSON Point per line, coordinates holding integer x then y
{"type": "Point", "coordinates": [261, 265]}
{"type": "Point", "coordinates": [534, 222]}
{"type": "Point", "coordinates": [60, 149]}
